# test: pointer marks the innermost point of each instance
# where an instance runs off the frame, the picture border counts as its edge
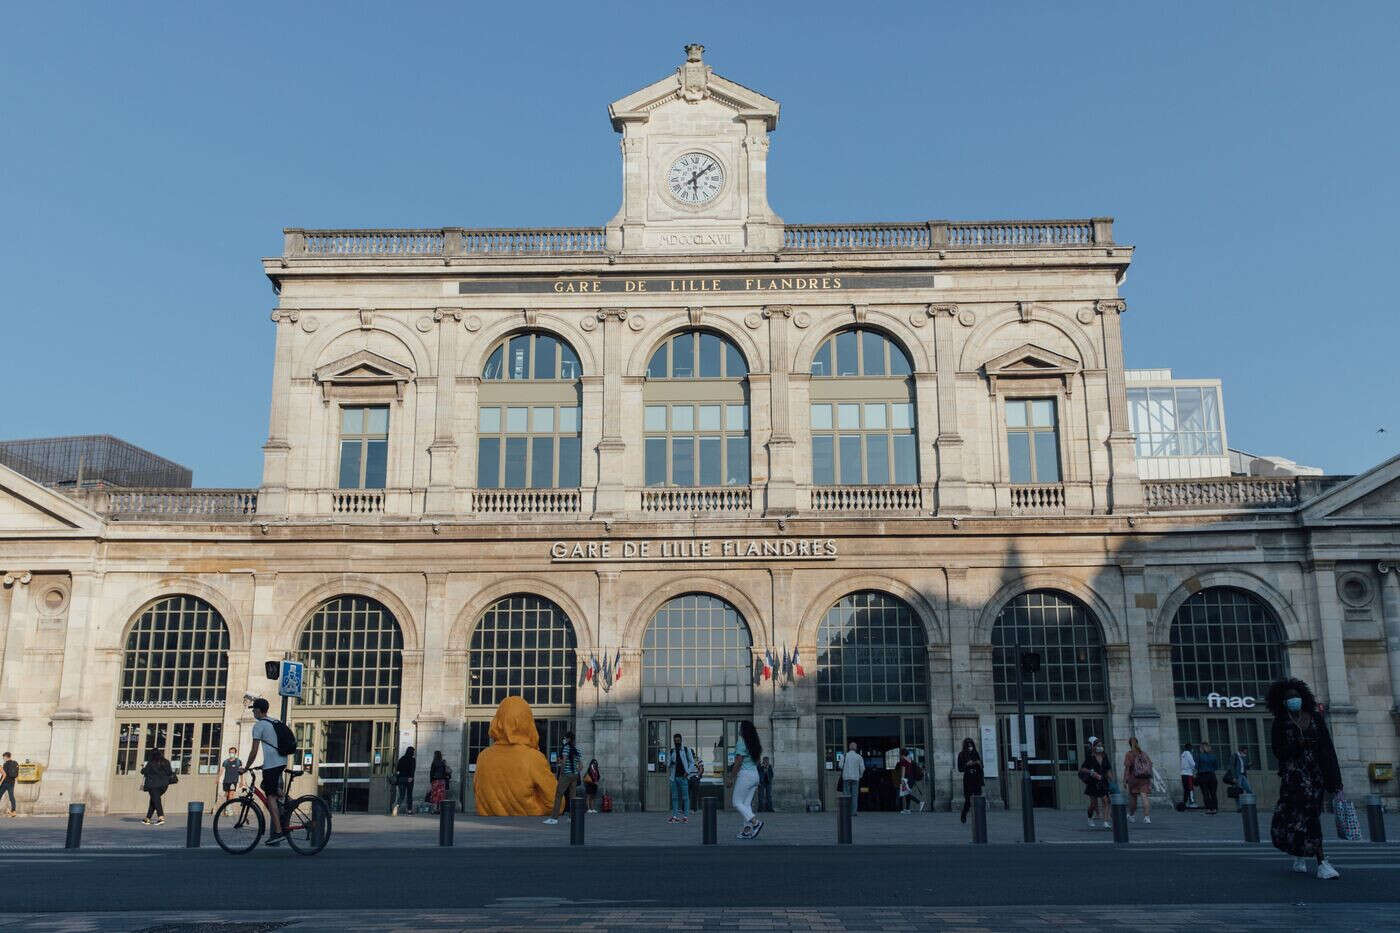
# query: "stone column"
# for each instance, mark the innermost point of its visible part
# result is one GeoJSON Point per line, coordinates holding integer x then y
{"type": "Point", "coordinates": [72, 720]}
{"type": "Point", "coordinates": [1138, 604]}
{"type": "Point", "coordinates": [426, 713]}
{"type": "Point", "coordinates": [1390, 610]}
{"type": "Point", "coordinates": [272, 498]}
{"type": "Point", "coordinates": [1125, 489]}
{"type": "Point", "coordinates": [950, 475]}
{"type": "Point", "coordinates": [442, 452]}
{"type": "Point", "coordinates": [612, 449]}
{"type": "Point", "coordinates": [16, 614]}
{"type": "Point", "coordinates": [782, 484]}
{"type": "Point", "coordinates": [1336, 687]}
{"type": "Point", "coordinates": [945, 728]}
{"type": "Point", "coordinates": [762, 230]}
{"type": "Point", "coordinates": [963, 716]}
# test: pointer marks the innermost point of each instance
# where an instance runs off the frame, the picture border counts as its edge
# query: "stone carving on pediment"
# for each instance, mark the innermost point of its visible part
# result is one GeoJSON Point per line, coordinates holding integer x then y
{"type": "Point", "coordinates": [16, 576]}
{"type": "Point", "coordinates": [694, 75]}
{"type": "Point", "coordinates": [1030, 361]}
{"type": "Point", "coordinates": [362, 374]}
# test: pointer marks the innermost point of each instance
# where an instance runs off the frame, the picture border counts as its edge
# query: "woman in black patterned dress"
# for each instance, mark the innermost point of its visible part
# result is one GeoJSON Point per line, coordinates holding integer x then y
{"type": "Point", "coordinates": [1308, 772]}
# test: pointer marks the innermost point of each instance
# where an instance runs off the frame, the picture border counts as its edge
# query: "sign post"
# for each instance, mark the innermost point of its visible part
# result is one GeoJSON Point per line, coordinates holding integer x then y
{"type": "Point", "coordinates": [1027, 662]}
{"type": "Point", "coordinates": [290, 679]}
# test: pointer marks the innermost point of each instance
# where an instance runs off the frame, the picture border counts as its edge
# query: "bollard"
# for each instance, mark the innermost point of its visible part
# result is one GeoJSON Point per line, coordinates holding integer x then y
{"type": "Point", "coordinates": [709, 808]}
{"type": "Point", "coordinates": [1375, 817]}
{"type": "Point", "coordinates": [843, 819]}
{"type": "Point", "coordinates": [1249, 816]}
{"type": "Point", "coordinates": [75, 826]}
{"type": "Point", "coordinates": [193, 823]}
{"type": "Point", "coordinates": [1119, 805]}
{"type": "Point", "coordinates": [576, 808]}
{"type": "Point", "coordinates": [979, 819]}
{"type": "Point", "coordinates": [447, 822]}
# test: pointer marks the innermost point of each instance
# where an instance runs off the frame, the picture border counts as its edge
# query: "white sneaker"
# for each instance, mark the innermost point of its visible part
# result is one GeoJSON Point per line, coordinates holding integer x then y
{"type": "Point", "coordinates": [1131, 818]}
{"type": "Point", "coordinates": [550, 821]}
{"type": "Point", "coordinates": [1300, 865]}
{"type": "Point", "coordinates": [1107, 824]}
{"type": "Point", "coordinates": [1147, 819]}
{"type": "Point", "coordinates": [1091, 822]}
{"type": "Point", "coordinates": [1326, 872]}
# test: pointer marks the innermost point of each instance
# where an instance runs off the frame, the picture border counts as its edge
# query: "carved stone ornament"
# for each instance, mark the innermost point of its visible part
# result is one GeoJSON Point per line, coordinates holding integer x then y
{"type": "Point", "coordinates": [753, 321]}
{"type": "Point", "coordinates": [966, 318]}
{"type": "Point", "coordinates": [1023, 309]}
{"type": "Point", "coordinates": [310, 325]}
{"type": "Point", "coordinates": [756, 143]}
{"type": "Point", "coordinates": [424, 324]}
{"type": "Point", "coordinates": [860, 313]}
{"type": "Point", "coordinates": [772, 311]}
{"type": "Point", "coordinates": [695, 314]}
{"type": "Point", "coordinates": [1106, 305]}
{"type": "Point", "coordinates": [289, 315]}
{"type": "Point", "coordinates": [617, 314]}
{"type": "Point", "coordinates": [1084, 316]}
{"type": "Point", "coordinates": [802, 320]}
{"type": "Point", "coordinates": [636, 322]}
{"type": "Point", "coordinates": [447, 314]}
{"type": "Point", "coordinates": [16, 576]}
{"type": "Point", "coordinates": [366, 318]}
{"type": "Point", "coordinates": [532, 315]}
{"type": "Point", "coordinates": [363, 374]}
{"type": "Point", "coordinates": [918, 318]}
{"type": "Point", "coordinates": [1030, 361]}
{"type": "Point", "coordinates": [472, 323]}
{"type": "Point", "coordinates": [588, 325]}
{"type": "Point", "coordinates": [694, 75]}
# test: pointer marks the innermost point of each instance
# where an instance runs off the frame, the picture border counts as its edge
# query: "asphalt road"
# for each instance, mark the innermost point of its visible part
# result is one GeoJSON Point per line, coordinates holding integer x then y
{"type": "Point", "coordinates": [423, 879]}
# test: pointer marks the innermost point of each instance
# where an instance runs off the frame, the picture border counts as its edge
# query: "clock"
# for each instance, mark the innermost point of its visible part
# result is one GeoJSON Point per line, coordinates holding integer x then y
{"type": "Point", "coordinates": [695, 178]}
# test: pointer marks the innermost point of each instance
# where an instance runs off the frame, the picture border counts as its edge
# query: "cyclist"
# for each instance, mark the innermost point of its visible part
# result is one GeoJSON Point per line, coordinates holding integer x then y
{"type": "Point", "coordinates": [274, 762]}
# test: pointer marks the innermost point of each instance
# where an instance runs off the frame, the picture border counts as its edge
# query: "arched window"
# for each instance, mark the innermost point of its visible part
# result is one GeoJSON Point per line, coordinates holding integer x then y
{"type": "Point", "coordinates": [1067, 637]}
{"type": "Point", "coordinates": [697, 412]}
{"type": "Point", "coordinates": [697, 650]}
{"type": "Point", "coordinates": [871, 649]}
{"type": "Point", "coordinates": [176, 653]}
{"type": "Point", "coordinates": [523, 646]}
{"type": "Point", "coordinates": [1227, 641]}
{"type": "Point", "coordinates": [530, 426]}
{"type": "Point", "coordinates": [353, 652]}
{"type": "Point", "coordinates": [863, 425]}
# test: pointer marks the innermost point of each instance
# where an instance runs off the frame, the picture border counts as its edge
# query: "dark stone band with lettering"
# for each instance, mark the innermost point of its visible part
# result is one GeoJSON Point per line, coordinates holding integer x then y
{"type": "Point", "coordinates": [678, 285]}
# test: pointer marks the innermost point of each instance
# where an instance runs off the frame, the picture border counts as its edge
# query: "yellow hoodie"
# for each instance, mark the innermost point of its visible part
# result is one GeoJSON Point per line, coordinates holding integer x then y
{"type": "Point", "coordinates": [512, 777]}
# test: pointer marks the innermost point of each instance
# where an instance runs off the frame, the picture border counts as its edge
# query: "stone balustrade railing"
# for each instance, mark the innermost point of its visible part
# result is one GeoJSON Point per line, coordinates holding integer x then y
{"type": "Point", "coordinates": [698, 499]}
{"type": "Point", "coordinates": [299, 243]}
{"type": "Point", "coordinates": [866, 498]}
{"type": "Point", "coordinates": [526, 501]}
{"type": "Point", "coordinates": [173, 504]}
{"type": "Point", "coordinates": [357, 501]}
{"type": "Point", "coordinates": [1037, 497]}
{"type": "Point", "coordinates": [1228, 492]}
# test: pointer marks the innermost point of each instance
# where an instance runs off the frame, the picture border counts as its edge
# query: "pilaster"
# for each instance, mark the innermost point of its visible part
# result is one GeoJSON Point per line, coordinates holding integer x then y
{"type": "Point", "coordinates": [272, 497]}
{"type": "Point", "coordinates": [442, 452]}
{"type": "Point", "coordinates": [1390, 609]}
{"type": "Point", "coordinates": [782, 484]}
{"type": "Point", "coordinates": [948, 444]}
{"type": "Point", "coordinates": [1125, 488]}
{"type": "Point", "coordinates": [612, 448]}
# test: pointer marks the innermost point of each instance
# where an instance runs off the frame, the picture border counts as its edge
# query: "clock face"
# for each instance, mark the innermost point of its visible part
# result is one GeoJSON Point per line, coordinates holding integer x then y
{"type": "Point", "coordinates": [695, 178]}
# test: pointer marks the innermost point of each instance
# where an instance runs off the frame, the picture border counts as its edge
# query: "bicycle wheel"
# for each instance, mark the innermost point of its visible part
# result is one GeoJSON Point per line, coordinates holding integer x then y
{"type": "Point", "coordinates": [238, 825]}
{"type": "Point", "coordinates": [308, 825]}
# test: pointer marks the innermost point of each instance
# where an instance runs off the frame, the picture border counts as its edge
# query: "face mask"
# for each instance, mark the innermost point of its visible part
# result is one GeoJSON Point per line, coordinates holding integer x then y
{"type": "Point", "coordinates": [1294, 704]}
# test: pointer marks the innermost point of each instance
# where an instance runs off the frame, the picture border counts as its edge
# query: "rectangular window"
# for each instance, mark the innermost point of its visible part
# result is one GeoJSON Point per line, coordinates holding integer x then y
{"type": "Point", "coordinates": [821, 363]}
{"type": "Point", "coordinates": [655, 419]}
{"type": "Point", "coordinates": [877, 459]}
{"type": "Point", "coordinates": [1032, 441]}
{"type": "Point", "coordinates": [1181, 421]}
{"type": "Point", "coordinates": [546, 356]}
{"type": "Point", "coordinates": [683, 461]}
{"type": "Point", "coordinates": [737, 461]}
{"type": "Point", "coordinates": [682, 418]}
{"type": "Point", "coordinates": [517, 420]}
{"type": "Point", "coordinates": [364, 447]}
{"type": "Point", "coordinates": [848, 416]}
{"type": "Point", "coordinates": [850, 459]}
{"type": "Point", "coordinates": [821, 417]}
{"type": "Point", "coordinates": [847, 363]}
{"type": "Point", "coordinates": [488, 463]}
{"type": "Point", "coordinates": [709, 356]}
{"type": "Point", "coordinates": [873, 350]}
{"type": "Point", "coordinates": [736, 417]}
{"type": "Point", "coordinates": [710, 461]}
{"type": "Point", "coordinates": [490, 422]}
{"type": "Point", "coordinates": [570, 459]}
{"type": "Point", "coordinates": [542, 462]}
{"type": "Point", "coordinates": [683, 357]}
{"type": "Point", "coordinates": [515, 461]}
{"type": "Point", "coordinates": [656, 461]}
{"type": "Point", "coordinates": [823, 461]}
{"type": "Point", "coordinates": [906, 460]}
{"type": "Point", "coordinates": [710, 417]}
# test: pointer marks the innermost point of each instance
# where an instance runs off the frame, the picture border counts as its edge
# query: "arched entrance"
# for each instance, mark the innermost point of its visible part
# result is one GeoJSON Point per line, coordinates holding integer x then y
{"type": "Point", "coordinates": [348, 719]}
{"type": "Point", "coordinates": [1227, 647]}
{"type": "Point", "coordinates": [1066, 700]}
{"type": "Point", "coordinates": [697, 679]}
{"type": "Point", "coordinates": [174, 681]}
{"type": "Point", "coordinates": [872, 689]}
{"type": "Point", "coordinates": [523, 645]}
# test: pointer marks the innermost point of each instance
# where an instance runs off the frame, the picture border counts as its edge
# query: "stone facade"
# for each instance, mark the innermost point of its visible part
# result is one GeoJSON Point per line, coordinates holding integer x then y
{"type": "Point", "coordinates": [407, 321]}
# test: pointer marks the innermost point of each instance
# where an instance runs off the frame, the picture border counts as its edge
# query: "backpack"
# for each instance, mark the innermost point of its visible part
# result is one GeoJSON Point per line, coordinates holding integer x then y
{"type": "Point", "coordinates": [286, 738]}
{"type": "Point", "coordinates": [607, 805]}
{"type": "Point", "coordinates": [915, 772]}
{"type": "Point", "coordinates": [1142, 766]}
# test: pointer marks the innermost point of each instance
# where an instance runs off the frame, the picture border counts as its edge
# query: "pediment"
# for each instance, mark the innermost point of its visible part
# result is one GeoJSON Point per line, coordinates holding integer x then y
{"type": "Point", "coordinates": [28, 507]}
{"type": "Point", "coordinates": [1030, 360]}
{"type": "Point", "coordinates": [1374, 494]}
{"type": "Point", "coordinates": [693, 81]}
{"type": "Point", "coordinates": [363, 369]}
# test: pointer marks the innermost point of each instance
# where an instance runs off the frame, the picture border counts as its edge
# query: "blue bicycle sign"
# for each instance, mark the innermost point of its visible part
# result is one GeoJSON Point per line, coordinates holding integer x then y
{"type": "Point", "coordinates": [290, 681]}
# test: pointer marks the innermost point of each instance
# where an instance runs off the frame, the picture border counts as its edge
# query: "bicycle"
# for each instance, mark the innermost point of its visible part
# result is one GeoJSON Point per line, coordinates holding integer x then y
{"type": "Point", "coordinates": [239, 823]}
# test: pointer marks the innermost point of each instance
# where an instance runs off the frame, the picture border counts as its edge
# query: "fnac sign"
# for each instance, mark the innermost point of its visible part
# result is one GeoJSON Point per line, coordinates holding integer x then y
{"type": "Point", "coordinates": [1218, 701]}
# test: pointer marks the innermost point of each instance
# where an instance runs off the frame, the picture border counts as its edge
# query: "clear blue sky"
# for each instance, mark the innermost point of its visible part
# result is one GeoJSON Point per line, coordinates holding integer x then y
{"type": "Point", "coordinates": [151, 153]}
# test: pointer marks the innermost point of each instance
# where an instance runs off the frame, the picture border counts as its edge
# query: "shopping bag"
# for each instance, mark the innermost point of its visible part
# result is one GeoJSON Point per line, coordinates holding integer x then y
{"type": "Point", "coordinates": [1348, 826]}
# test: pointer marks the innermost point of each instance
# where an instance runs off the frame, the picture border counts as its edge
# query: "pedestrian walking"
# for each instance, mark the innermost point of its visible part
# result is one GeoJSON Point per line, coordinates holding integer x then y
{"type": "Point", "coordinates": [910, 775]}
{"type": "Point", "coordinates": [438, 776]}
{"type": "Point", "coordinates": [973, 773]}
{"type": "Point", "coordinates": [157, 776]}
{"type": "Point", "coordinates": [567, 770]}
{"type": "Point", "coordinates": [404, 770]}
{"type": "Point", "coordinates": [1096, 772]}
{"type": "Point", "coordinates": [232, 767]}
{"type": "Point", "coordinates": [592, 775]}
{"type": "Point", "coordinates": [1308, 772]}
{"type": "Point", "coordinates": [743, 777]}
{"type": "Point", "coordinates": [9, 774]}
{"type": "Point", "coordinates": [851, 771]}
{"type": "Point", "coordinates": [1206, 765]}
{"type": "Point", "coordinates": [765, 785]}
{"type": "Point", "coordinates": [1238, 775]}
{"type": "Point", "coordinates": [1188, 777]}
{"type": "Point", "coordinates": [1137, 774]}
{"type": "Point", "coordinates": [682, 768]}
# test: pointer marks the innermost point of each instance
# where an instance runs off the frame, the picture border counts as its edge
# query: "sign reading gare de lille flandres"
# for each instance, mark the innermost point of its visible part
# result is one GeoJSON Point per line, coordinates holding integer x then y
{"type": "Point", "coordinates": [695, 549]}
{"type": "Point", "coordinates": [660, 285]}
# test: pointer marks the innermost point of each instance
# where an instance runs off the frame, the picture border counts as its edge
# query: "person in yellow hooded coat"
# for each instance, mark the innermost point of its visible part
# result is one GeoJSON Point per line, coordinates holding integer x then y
{"type": "Point", "coordinates": [512, 777]}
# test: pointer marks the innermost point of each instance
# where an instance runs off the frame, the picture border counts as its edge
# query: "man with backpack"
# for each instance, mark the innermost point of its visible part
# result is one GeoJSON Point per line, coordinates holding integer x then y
{"type": "Point", "coordinates": [277, 743]}
{"type": "Point", "coordinates": [910, 775]}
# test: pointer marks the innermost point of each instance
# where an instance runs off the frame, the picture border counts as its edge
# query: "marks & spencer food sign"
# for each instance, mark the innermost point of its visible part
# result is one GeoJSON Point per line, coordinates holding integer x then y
{"type": "Point", "coordinates": [694, 549]}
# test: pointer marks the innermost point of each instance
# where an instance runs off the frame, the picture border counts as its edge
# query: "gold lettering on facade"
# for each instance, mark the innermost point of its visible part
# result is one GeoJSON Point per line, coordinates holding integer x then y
{"type": "Point", "coordinates": [694, 549]}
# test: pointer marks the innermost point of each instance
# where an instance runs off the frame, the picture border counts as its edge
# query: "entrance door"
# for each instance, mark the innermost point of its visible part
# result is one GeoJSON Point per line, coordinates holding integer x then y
{"type": "Point", "coordinates": [194, 749]}
{"type": "Point", "coordinates": [476, 738]}
{"type": "Point", "coordinates": [1225, 734]}
{"type": "Point", "coordinates": [1059, 747]}
{"type": "Point", "coordinates": [878, 740]}
{"type": "Point", "coordinates": [344, 770]}
{"type": "Point", "coordinates": [713, 741]}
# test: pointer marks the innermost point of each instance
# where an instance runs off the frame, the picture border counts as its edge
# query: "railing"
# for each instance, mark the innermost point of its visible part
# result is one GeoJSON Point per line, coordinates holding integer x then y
{"type": "Point", "coordinates": [170, 504]}
{"type": "Point", "coordinates": [586, 241]}
{"type": "Point", "coordinates": [698, 499]}
{"type": "Point", "coordinates": [1247, 492]}
{"type": "Point", "coordinates": [1039, 497]}
{"type": "Point", "coordinates": [357, 501]}
{"type": "Point", "coordinates": [526, 501]}
{"type": "Point", "coordinates": [866, 498]}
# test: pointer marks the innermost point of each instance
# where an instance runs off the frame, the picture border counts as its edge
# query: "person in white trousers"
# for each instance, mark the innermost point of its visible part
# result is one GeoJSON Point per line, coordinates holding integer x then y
{"type": "Point", "coordinates": [743, 777]}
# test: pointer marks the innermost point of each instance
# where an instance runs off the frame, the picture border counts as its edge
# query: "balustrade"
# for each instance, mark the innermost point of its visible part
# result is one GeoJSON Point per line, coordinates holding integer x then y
{"type": "Point", "coordinates": [1037, 497]}
{"type": "Point", "coordinates": [866, 498]}
{"type": "Point", "coordinates": [526, 501]}
{"type": "Point", "coordinates": [357, 501]}
{"type": "Point", "coordinates": [697, 499]}
{"type": "Point", "coordinates": [1222, 492]}
{"type": "Point", "coordinates": [173, 504]}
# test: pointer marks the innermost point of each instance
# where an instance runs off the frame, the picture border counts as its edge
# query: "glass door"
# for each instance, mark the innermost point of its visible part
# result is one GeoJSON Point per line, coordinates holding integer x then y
{"type": "Point", "coordinates": [346, 764]}
{"type": "Point", "coordinates": [713, 742]}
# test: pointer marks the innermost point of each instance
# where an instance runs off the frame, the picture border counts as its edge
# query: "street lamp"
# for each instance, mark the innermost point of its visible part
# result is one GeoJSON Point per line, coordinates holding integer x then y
{"type": "Point", "coordinates": [1027, 662]}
